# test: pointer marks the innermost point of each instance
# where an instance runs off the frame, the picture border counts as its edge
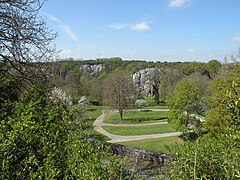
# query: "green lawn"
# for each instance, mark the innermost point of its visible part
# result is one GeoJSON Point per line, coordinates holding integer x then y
{"type": "Point", "coordinates": [139, 130]}
{"type": "Point", "coordinates": [161, 145]}
{"type": "Point", "coordinates": [136, 117]}
{"type": "Point", "coordinates": [92, 113]}
{"type": "Point", "coordinates": [156, 107]}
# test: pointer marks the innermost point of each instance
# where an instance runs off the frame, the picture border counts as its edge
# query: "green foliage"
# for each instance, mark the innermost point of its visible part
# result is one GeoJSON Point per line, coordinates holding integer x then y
{"type": "Point", "coordinates": [225, 113]}
{"type": "Point", "coordinates": [9, 91]}
{"type": "Point", "coordinates": [41, 140]}
{"type": "Point", "coordinates": [214, 156]}
{"type": "Point", "coordinates": [207, 158]}
{"type": "Point", "coordinates": [33, 136]}
{"type": "Point", "coordinates": [150, 101]}
{"type": "Point", "coordinates": [184, 102]}
{"type": "Point", "coordinates": [86, 161]}
{"type": "Point", "coordinates": [213, 68]}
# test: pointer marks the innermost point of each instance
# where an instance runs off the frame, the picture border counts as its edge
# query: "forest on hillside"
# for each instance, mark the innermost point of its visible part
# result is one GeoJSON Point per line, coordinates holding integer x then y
{"type": "Point", "coordinates": [77, 82]}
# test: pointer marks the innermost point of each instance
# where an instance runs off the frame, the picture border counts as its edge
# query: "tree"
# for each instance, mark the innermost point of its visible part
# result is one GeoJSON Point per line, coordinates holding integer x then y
{"type": "Point", "coordinates": [210, 157]}
{"type": "Point", "coordinates": [225, 105]}
{"type": "Point", "coordinates": [39, 134]}
{"type": "Point", "coordinates": [156, 78]}
{"type": "Point", "coordinates": [184, 104]}
{"type": "Point", "coordinates": [213, 68]}
{"type": "Point", "coordinates": [24, 38]}
{"type": "Point", "coordinates": [170, 77]}
{"type": "Point", "coordinates": [118, 91]}
{"type": "Point", "coordinates": [215, 155]}
{"type": "Point", "coordinates": [95, 91]}
{"type": "Point", "coordinates": [42, 140]}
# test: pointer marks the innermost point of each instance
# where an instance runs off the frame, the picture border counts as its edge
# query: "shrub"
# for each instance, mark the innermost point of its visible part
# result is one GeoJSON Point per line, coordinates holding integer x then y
{"type": "Point", "coordinates": [41, 140]}
{"type": "Point", "coordinates": [208, 158]}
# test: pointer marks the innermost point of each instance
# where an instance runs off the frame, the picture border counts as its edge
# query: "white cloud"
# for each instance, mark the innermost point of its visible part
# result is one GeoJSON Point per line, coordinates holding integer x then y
{"type": "Point", "coordinates": [53, 18]}
{"type": "Point", "coordinates": [70, 33]}
{"type": "Point", "coordinates": [236, 38]}
{"type": "Point", "coordinates": [66, 29]}
{"type": "Point", "coordinates": [142, 26]}
{"type": "Point", "coordinates": [178, 3]}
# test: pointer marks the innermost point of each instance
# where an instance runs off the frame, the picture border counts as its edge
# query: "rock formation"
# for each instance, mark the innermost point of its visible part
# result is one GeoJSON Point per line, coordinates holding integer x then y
{"type": "Point", "coordinates": [91, 68]}
{"type": "Point", "coordinates": [143, 80]}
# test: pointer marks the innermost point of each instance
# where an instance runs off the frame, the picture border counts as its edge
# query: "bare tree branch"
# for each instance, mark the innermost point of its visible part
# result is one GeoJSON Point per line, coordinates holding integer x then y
{"type": "Point", "coordinates": [24, 37]}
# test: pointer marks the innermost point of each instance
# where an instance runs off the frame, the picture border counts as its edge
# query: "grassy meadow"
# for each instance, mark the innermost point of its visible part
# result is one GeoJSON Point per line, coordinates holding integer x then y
{"type": "Point", "coordinates": [139, 130]}
{"type": "Point", "coordinates": [161, 145]}
{"type": "Point", "coordinates": [91, 115]}
{"type": "Point", "coordinates": [137, 117]}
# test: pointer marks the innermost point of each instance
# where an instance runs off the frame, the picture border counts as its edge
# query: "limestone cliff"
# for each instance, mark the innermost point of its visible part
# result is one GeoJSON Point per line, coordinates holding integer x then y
{"type": "Point", "coordinates": [91, 68]}
{"type": "Point", "coordinates": [143, 81]}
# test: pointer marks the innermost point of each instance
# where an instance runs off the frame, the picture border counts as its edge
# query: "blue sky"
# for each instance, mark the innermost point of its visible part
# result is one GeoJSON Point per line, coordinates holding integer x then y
{"type": "Point", "coordinates": [152, 30]}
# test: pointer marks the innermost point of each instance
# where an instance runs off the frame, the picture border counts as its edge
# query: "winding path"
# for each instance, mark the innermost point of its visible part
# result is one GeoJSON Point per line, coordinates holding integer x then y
{"type": "Point", "coordinates": [97, 125]}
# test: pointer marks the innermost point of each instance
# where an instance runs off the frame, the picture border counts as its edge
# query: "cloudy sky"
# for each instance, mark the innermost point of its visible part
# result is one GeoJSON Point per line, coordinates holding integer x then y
{"type": "Point", "coordinates": [152, 30]}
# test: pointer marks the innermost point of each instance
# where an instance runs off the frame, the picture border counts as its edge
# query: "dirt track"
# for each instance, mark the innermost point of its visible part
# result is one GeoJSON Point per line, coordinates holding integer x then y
{"type": "Point", "coordinates": [97, 125]}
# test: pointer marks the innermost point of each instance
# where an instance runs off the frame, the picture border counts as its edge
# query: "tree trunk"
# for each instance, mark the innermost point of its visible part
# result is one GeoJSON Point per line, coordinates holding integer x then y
{"type": "Point", "coordinates": [121, 114]}
{"type": "Point", "coordinates": [156, 94]}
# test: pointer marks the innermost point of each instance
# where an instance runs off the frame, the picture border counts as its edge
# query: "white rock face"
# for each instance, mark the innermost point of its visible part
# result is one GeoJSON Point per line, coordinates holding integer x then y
{"type": "Point", "coordinates": [91, 69]}
{"type": "Point", "coordinates": [142, 80]}
{"type": "Point", "coordinates": [83, 101]}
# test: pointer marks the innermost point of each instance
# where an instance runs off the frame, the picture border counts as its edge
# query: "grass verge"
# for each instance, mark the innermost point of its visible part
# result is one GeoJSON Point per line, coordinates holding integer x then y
{"type": "Point", "coordinates": [156, 107]}
{"type": "Point", "coordinates": [139, 130]}
{"type": "Point", "coordinates": [137, 117]}
{"type": "Point", "coordinates": [161, 145]}
{"type": "Point", "coordinates": [92, 113]}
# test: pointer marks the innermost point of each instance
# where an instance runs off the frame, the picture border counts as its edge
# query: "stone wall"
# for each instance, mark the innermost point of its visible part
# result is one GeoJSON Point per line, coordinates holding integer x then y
{"type": "Point", "coordinates": [134, 154]}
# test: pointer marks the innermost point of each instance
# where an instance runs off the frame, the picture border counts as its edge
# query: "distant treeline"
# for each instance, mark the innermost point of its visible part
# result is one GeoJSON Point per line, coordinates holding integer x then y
{"type": "Point", "coordinates": [68, 75]}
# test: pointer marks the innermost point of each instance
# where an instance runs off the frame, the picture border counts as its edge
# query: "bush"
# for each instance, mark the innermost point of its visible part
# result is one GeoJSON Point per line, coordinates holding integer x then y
{"type": "Point", "coordinates": [41, 140]}
{"type": "Point", "coordinates": [207, 158]}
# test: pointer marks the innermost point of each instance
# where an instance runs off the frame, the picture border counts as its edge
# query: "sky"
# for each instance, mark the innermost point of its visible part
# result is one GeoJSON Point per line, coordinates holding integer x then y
{"type": "Point", "coordinates": [151, 30]}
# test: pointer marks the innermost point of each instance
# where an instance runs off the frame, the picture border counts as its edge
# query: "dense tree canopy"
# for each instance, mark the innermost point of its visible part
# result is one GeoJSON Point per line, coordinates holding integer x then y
{"type": "Point", "coordinates": [225, 112]}
{"type": "Point", "coordinates": [184, 104]}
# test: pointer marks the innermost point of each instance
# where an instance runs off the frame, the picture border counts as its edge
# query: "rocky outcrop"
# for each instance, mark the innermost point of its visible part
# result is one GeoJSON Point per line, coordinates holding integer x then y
{"type": "Point", "coordinates": [145, 163]}
{"type": "Point", "coordinates": [143, 79]}
{"type": "Point", "coordinates": [91, 68]}
{"type": "Point", "coordinates": [132, 153]}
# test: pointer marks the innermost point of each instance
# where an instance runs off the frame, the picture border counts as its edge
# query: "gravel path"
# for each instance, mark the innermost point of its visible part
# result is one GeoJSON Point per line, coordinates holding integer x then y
{"type": "Point", "coordinates": [97, 125]}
